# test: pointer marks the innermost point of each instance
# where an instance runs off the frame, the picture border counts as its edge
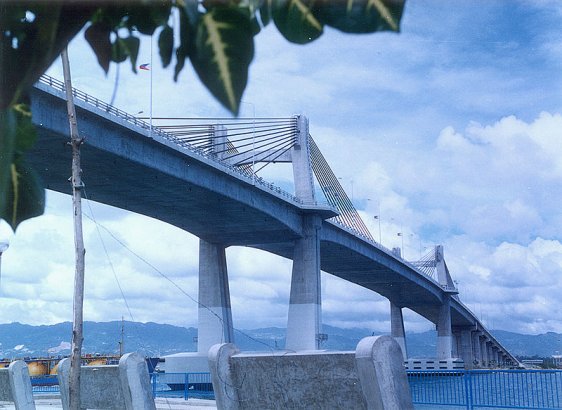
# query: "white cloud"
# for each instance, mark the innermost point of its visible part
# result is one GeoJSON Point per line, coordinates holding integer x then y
{"type": "Point", "coordinates": [453, 129]}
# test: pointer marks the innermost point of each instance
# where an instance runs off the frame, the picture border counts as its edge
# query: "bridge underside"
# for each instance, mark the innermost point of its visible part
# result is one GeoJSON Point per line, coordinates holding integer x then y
{"type": "Point", "coordinates": [142, 189]}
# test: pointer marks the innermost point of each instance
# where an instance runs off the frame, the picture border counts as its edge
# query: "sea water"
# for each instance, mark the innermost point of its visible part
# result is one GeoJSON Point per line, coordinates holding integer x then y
{"type": "Point", "coordinates": [491, 389]}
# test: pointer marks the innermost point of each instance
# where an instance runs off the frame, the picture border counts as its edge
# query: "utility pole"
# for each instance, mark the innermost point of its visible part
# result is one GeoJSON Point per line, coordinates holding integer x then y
{"type": "Point", "coordinates": [77, 186]}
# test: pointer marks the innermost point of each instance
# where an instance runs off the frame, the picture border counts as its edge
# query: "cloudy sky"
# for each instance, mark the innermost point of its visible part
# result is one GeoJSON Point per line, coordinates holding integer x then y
{"type": "Point", "coordinates": [449, 131]}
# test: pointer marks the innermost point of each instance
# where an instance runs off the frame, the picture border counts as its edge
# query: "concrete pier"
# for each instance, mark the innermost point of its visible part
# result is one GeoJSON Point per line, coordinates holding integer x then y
{"type": "Point", "coordinates": [484, 351]}
{"type": "Point", "coordinates": [476, 348]}
{"type": "Point", "coordinates": [215, 315]}
{"type": "Point", "coordinates": [444, 332]}
{"type": "Point", "coordinates": [304, 322]}
{"type": "Point", "coordinates": [397, 328]}
{"type": "Point", "coordinates": [465, 350]}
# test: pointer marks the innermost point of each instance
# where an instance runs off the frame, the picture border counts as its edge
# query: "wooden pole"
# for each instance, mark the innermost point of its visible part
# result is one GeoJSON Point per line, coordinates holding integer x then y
{"type": "Point", "coordinates": [78, 301]}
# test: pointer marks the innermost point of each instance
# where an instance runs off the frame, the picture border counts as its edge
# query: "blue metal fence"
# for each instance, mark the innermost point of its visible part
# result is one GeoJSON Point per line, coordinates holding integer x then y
{"type": "Point", "coordinates": [186, 385]}
{"type": "Point", "coordinates": [497, 389]}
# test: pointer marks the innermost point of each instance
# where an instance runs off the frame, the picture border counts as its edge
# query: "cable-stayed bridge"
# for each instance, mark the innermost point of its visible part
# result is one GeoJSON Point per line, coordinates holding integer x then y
{"type": "Point", "coordinates": [201, 175]}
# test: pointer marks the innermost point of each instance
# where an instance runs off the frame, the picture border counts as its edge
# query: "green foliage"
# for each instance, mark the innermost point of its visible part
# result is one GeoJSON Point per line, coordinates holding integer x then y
{"type": "Point", "coordinates": [296, 21]}
{"type": "Point", "coordinates": [21, 191]}
{"type": "Point", "coordinates": [224, 48]}
{"type": "Point", "coordinates": [215, 35]}
{"type": "Point", "coordinates": [363, 16]}
{"type": "Point", "coordinates": [97, 35]}
{"type": "Point", "coordinates": [166, 45]}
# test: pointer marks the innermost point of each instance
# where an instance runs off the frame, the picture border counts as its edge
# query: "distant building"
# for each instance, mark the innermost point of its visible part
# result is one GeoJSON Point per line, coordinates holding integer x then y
{"type": "Point", "coordinates": [532, 362]}
{"type": "Point", "coordinates": [557, 359]}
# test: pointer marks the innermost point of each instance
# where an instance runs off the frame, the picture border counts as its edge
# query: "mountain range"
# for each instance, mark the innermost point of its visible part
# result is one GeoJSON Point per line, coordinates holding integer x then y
{"type": "Point", "coordinates": [152, 339]}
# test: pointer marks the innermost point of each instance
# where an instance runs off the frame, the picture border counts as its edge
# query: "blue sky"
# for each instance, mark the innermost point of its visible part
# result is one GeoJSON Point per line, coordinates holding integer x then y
{"type": "Point", "coordinates": [452, 127]}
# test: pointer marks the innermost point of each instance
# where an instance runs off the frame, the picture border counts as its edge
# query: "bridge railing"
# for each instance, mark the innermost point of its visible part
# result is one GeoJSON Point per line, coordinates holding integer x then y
{"type": "Point", "coordinates": [109, 109]}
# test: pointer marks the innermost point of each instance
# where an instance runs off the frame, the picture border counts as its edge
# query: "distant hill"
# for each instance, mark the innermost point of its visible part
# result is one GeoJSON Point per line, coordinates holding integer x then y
{"type": "Point", "coordinates": [153, 339]}
{"type": "Point", "coordinates": [543, 345]}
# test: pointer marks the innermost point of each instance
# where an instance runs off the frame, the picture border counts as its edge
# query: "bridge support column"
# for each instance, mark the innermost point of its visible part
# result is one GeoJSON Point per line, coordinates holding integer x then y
{"type": "Point", "coordinates": [477, 353]}
{"type": "Point", "coordinates": [491, 356]}
{"type": "Point", "coordinates": [484, 350]}
{"type": "Point", "coordinates": [466, 352]}
{"type": "Point", "coordinates": [215, 315]}
{"type": "Point", "coordinates": [491, 361]}
{"type": "Point", "coordinates": [495, 356]}
{"type": "Point", "coordinates": [304, 322]}
{"type": "Point", "coordinates": [397, 328]}
{"type": "Point", "coordinates": [455, 343]}
{"type": "Point", "coordinates": [444, 332]}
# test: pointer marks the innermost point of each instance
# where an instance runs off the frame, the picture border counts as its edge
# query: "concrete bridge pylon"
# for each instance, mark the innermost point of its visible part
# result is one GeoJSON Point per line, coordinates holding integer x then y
{"type": "Point", "coordinates": [444, 330]}
{"type": "Point", "coordinates": [304, 323]}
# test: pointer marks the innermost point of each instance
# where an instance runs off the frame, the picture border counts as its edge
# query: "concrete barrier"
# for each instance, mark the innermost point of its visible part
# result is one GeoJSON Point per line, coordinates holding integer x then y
{"type": "Point", "coordinates": [124, 386]}
{"type": "Point", "coordinates": [371, 378]}
{"type": "Point", "coordinates": [15, 386]}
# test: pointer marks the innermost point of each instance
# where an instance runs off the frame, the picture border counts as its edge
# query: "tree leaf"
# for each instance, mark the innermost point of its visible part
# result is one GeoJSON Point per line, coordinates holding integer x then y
{"type": "Point", "coordinates": [188, 20]}
{"type": "Point", "coordinates": [146, 18]}
{"type": "Point", "coordinates": [7, 146]}
{"type": "Point", "coordinates": [361, 16]}
{"type": "Point", "coordinates": [22, 195]}
{"type": "Point", "coordinates": [265, 12]}
{"type": "Point", "coordinates": [223, 53]}
{"type": "Point", "coordinates": [118, 50]}
{"type": "Point", "coordinates": [132, 45]}
{"type": "Point", "coordinates": [166, 45]}
{"type": "Point", "coordinates": [29, 47]}
{"type": "Point", "coordinates": [26, 197]}
{"type": "Point", "coordinates": [26, 132]}
{"type": "Point", "coordinates": [97, 35]}
{"type": "Point", "coordinates": [296, 21]}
